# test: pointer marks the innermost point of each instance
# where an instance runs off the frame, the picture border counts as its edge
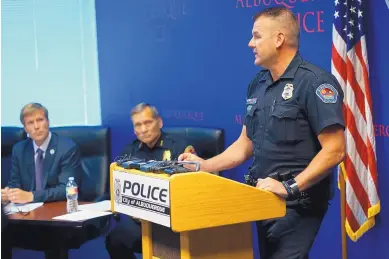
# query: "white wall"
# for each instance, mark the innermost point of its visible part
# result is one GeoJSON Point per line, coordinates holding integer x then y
{"type": "Point", "coordinates": [49, 55]}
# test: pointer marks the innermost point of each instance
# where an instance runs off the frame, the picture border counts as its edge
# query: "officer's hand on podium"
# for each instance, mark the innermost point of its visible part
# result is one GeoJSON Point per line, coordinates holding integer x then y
{"type": "Point", "coordinates": [271, 185]}
{"type": "Point", "coordinates": [193, 158]}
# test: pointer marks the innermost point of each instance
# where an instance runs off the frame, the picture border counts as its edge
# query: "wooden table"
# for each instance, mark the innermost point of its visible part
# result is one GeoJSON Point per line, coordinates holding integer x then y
{"type": "Point", "coordinates": [44, 216]}
{"type": "Point", "coordinates": [64, 231]}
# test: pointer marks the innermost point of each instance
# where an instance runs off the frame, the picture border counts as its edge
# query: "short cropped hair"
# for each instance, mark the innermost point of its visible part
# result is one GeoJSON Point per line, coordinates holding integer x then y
{"type": "Point", "coordinates": [142, 106]}
{"type": "Point", "coordinates": [30, 108]}
{"type": "Point", "coordinates": [286, 18]}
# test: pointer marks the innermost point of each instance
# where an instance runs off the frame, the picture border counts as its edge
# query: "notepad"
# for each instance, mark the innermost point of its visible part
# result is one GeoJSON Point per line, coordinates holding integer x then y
{"type": "Point", "coordinates": [82, 215]}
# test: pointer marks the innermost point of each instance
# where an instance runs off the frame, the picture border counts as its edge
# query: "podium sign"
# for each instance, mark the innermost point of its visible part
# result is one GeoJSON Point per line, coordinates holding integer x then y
{"type": "Point", "coordinates": [142, 197]}
{"type": "Point", "coordinates": [195, 215]}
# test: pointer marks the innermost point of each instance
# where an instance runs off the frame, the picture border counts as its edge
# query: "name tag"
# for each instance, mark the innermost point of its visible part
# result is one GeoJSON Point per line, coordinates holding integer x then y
{"type": "Point", "coordinates": [251, 101]}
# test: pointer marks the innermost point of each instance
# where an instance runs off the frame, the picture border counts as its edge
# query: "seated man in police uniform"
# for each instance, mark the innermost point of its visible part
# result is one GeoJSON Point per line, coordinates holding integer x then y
{"type": "Point", "coordinates": [41, 167]}
{"type": "Point", "coordinates": [151, 144]}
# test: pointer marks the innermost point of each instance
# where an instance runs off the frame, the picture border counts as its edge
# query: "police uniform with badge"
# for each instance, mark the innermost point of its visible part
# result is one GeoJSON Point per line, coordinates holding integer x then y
{"type": "Point", "coordinates": [126, 238]}
{"type": "Point", "coordinates": [166, 148]}
{"type": "Point", "coordinates": [283, 120]}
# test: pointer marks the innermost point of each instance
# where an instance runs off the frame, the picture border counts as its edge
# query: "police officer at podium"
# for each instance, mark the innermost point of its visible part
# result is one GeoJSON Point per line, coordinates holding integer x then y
{"type": "Point", "coordinates": [151, 144]}
{"type": "Point", "coordinates": [294, 130]}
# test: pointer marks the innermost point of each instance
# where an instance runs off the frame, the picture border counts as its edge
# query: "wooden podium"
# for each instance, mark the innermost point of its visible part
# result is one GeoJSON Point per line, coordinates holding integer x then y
{"type": "Point", "coordinates": [192, 215]}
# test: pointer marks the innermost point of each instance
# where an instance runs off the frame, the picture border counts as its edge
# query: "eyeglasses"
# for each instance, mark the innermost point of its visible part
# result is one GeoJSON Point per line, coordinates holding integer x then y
{"type": "Point", "coordinates": [14, 208]}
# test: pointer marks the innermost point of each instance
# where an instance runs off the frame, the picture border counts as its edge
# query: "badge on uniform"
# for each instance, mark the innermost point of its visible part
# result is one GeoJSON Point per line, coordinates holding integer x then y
{"type": "Point", "coordinates": [327, 93]}
{"type": "Point", "coordinates": [167, 155]}
{"type": "Point", "coordinates": [288, 91]}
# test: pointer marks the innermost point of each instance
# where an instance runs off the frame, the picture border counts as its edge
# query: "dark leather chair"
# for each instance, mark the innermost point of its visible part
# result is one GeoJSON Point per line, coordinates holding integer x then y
{"type": "Point", "coordinates": [94, 145]}
{"type": "Point", "coordinates": [9, 137]}
{"type": "Point", "coordinates": [207, 142]}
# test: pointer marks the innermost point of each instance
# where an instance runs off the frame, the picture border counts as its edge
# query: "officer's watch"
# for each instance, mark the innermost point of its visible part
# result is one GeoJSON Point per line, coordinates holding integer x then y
{"type": "Point", "coordinates": [291, 188]}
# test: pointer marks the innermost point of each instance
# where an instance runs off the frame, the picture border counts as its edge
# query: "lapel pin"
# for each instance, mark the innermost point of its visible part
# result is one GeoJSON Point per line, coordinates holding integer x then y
{"type": "Point", "coordinates": [52, 151]}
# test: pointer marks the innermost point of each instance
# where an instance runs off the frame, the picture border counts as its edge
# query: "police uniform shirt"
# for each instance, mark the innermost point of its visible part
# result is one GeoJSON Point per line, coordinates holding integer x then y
{"type": "Point", "coordinates": [284, 118]}
{"type": "Point", "coordinates": [166, 148]}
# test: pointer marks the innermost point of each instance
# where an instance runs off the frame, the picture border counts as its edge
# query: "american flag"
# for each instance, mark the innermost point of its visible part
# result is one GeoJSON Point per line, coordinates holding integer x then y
{"type": "Point", "coordinates": [350, 67]}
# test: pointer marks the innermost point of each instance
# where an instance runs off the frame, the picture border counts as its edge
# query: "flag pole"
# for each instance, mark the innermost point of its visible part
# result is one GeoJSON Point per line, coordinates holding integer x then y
{"type": "Point", "coordinates": [342, 184]}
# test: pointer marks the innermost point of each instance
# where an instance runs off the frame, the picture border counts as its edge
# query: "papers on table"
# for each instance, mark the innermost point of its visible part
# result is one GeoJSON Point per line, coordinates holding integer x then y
{"type": "Point", "coordinates": [82, 215]}
{"type": "Point", "coordinates": [23, 208]}
{"type": "Point", "coordinates": [88, 211]}
{"type": "Point", "coordinates": [97, 206]}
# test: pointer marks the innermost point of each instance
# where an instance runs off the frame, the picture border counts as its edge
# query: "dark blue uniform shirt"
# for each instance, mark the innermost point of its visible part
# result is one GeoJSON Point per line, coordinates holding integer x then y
{"type": "Point", "coordinates": [166, 148]}
{"type": "Point", "coordinates": [284, 118]}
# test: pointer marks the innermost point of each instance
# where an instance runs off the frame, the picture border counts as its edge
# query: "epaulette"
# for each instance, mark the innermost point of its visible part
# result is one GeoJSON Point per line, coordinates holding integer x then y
{"type": "Point", "coordinates": [312, 68]}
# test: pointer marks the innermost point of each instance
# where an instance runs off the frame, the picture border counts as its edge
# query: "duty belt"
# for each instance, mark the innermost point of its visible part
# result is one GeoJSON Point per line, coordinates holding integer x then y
{"type": "Point", "coordinates": [250, 180]}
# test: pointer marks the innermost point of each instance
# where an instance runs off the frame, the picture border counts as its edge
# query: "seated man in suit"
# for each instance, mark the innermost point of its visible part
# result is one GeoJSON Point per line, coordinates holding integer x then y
{"type": "Point", "coordinates": [151, 144]}
{"type": "Point", "coordinates": [41, 167]}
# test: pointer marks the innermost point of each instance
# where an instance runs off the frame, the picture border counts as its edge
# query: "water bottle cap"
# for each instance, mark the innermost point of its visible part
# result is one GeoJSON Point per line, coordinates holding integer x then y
{"type": "Point", "coordinates": [71, 178]}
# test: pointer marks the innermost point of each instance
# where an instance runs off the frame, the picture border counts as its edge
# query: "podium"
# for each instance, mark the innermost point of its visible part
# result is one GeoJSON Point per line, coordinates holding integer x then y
{"type": "Point", "coordinates": [194, 215]}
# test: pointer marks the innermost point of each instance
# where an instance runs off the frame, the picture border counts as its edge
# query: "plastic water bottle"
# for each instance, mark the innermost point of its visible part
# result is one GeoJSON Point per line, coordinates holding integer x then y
{"type": "Point", "coordinates": [71, 195]}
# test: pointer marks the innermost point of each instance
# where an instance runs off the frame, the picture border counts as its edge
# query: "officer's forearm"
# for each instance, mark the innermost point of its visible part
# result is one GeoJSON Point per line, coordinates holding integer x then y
{"type": "Point", "coordinates": [234, 155]}
{"type": "Point", "coordinates": [319, 167]}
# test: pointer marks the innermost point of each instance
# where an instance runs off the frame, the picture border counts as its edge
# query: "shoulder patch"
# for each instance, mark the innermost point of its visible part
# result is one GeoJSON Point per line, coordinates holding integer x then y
{"type": "Point", "coordinates": [327, 93]}
{"type": "Point", "coordinates": [190, 149]}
